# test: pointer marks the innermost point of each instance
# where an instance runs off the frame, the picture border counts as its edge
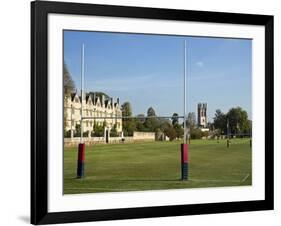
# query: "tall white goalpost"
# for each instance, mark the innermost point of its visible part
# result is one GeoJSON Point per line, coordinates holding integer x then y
{"type": "Point", "coordinates": [81, 146]}
{"type": "Point", "coordinates": [184, 145]}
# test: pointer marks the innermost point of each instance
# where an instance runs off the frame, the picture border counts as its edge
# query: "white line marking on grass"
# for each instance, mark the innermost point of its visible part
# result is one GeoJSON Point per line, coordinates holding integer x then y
{"type": "Point", "coordinates": [204, 180]}
{"type": "Point", "coordinates": [108, 189]}
{"type": "Point", "coordinates": [217, 180]}
{"type": "Point", "coordinates": [246, 177]}
{"type": "Point", "coordinates": [193, 179]}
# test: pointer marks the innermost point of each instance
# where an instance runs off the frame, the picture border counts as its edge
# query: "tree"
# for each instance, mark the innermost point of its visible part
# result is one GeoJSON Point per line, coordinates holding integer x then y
{"type": "Point", "coordinates": [77, 130]}
{"type": "Point", "coordinates": [68, 88]}
{"type": "Point", "coordinates": [99, 94]}
{"type": "Point", "coordinates": [220, 121]}
{"type": "Point", "coordinates": [141, 118]}
{"type": "Point", "coordinates": [179, 130]}
{"type": "Point", "coordinates": [151, 112]}
{"type": "Point", "coordinates": [195, 133]}
{"type": "Point", "coordinates": [177, 127]}
{"type": "Point", "coordinates": [249, 128]}
{"type": "Point", "coordinates": [151, 122]}
{"type": "Point", "coordinates": [113, 131]}
{"type": "Point", "coordinates": [126, 109]}
{"type": "Point", "coordinates": [170, 132]}
{"type": "Point", "coordinates": [130, 127]}
{"type": "Point", "coordinates": [140, 123]}
{"type": "Point", "coordinates": [68, 84]}
{"type": "Point", "coordinates": [164, 124]}
{"type": "Point", "coordinates": [175, 119]}
{"type": "Point", "coordinates": [129, 124]}
{"type": "Point", "coordinates": [98, 130]}
{"type": "Point", "coordinates": [238, 120]}
{"type": "Point", "coordinates": [191, 120]}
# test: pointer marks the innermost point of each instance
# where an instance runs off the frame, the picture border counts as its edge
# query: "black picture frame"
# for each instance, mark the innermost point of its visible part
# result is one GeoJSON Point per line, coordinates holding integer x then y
{"type": "Point", "coordinates": [39, 112]}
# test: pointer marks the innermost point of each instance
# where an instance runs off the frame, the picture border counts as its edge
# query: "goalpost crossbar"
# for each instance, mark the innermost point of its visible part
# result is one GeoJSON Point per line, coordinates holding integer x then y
{"type": "Point", "coordinates": [130, 117]}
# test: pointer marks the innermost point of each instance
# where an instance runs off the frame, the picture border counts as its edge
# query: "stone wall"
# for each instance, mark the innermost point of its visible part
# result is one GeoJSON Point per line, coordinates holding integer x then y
{"type": "Point", "coordinates": [146, 136]}
{"type": "Point", "coordinates": [137, 137]}
{"type": "Point", "coordinates": [69, 142]}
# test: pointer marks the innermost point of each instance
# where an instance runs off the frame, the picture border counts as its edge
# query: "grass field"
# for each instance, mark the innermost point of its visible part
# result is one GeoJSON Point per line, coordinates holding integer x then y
{"type": "Point", "coordinates": [156, 165]}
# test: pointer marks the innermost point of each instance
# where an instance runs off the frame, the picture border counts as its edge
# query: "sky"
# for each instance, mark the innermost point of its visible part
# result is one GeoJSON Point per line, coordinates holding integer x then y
{"type": "Point", "coordinates": [148, 70]}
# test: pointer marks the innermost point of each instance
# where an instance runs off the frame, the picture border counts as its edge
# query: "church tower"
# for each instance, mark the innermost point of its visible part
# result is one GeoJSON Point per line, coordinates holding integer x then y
{"type": "Point", "coordinates": [202, 115]}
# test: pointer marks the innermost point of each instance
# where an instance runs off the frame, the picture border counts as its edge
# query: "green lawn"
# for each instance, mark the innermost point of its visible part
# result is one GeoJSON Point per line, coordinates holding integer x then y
{"type": "Point", "coordinates": [156, 165]}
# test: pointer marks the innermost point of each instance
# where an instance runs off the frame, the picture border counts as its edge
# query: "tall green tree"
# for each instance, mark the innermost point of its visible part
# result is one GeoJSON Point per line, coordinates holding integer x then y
{"type": "Point", "coordinates": [113, 131]}
{"type": "Point", "coordinates": [129, 124]}
{"type": "Point", "coordinates": [220, 121]}
{"type": "Point", "coordinates": [151, 123]}
{"type": "Point", "coordinates": [126, 109]}
{"type": "Point", "coordinates": [151, 112]}
{"type": "Point", "coordinates": [140, 123]}
{"type": "Point", "coordinates": [177, 127]}
{"type": "Point", "coordinates": [179, 130]}
{"type": "Point", "coordinates": [170, 131]}
{"type": "Point", "coordinates": [68, 84]}
{"type": "Point", "coordinates": [68, 88]}
{"type": "Point", "coordinates": [164, 123]}
{"type": "Point", "coordinates": [191, 120]}
{"type": "Point", "coordinates": [238, 120]}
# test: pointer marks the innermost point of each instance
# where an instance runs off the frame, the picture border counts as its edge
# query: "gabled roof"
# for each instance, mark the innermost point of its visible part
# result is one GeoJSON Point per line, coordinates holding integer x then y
{"type": "Point", "coordinates": [75, 95]}
{"type": "Point", "coordinates": [96, 99]}
{"type": "Point", "coordinates": [89, 98]}
{"type": "Point", "coordinates": [72, 96]}
{"type": "Point", "coordinates": [107, 104]}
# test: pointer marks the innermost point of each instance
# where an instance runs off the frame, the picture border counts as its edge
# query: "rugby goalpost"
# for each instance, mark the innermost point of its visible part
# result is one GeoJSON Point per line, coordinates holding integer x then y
{"type": "Point", "coordinates": [183, 146]}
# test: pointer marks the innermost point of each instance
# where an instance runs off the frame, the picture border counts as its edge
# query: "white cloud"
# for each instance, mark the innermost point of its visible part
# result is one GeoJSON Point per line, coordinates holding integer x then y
{"type": "Point", "coordinates": [199, 64]}
{"type": "Point", "coordinates": [116, 83]}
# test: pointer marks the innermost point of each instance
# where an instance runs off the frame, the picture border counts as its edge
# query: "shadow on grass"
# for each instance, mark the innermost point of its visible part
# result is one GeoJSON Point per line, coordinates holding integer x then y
{"type": "Point", "coordinates": [135, 180]}
{"type": "Point", "coordinates": [149, 180]}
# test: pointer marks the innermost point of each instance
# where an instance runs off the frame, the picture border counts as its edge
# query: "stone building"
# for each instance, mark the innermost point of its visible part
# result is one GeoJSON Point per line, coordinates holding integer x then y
{"type": "Point", "coordinates": [202, 115]}
{"type": "Point", "coordinates": [93, 106]}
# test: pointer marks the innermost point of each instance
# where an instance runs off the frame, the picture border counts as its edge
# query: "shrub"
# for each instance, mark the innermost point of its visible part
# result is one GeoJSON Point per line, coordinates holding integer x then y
{"type": "Point", "coordinates": [170, 132]}
{"type": "Point", "coordinates": [196, 134]}
{"type": "Point", "coordinates": [67, 134]}
{"type": "Point", "coordinates": [113, 133]}
{"type": "Point", "coordinates": [98, 130]}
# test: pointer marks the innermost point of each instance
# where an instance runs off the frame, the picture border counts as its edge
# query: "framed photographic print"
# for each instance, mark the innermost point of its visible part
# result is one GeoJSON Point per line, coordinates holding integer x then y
{"type": "Point", "coordinates": [145, 112]}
